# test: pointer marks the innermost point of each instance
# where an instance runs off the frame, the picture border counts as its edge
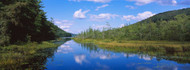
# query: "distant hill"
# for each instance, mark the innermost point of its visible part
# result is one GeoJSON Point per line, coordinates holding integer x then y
{"type": "Point", "coordinates": [167, 16]}
{"type": "Point", "coordinates": [171, 26]}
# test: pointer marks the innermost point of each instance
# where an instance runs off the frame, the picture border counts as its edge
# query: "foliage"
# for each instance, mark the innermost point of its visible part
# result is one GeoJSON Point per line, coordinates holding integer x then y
{"type": "Point", "coordinates": [30, 55]}
{"type": "Point", "coordinates": [175, 51]}
{"type": "Point", "coordinates": [24, 20]}
{"type": "Point", "coordinates": [170, 26]}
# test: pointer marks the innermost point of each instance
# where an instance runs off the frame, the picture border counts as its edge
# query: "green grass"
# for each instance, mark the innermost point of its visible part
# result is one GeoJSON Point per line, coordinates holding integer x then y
{"type": "Point", "coordinates": [123, 43]}
{"type": "Point", "coordinates": [15, 56]}
{"type": "Point", "coordinates": [169, 50]}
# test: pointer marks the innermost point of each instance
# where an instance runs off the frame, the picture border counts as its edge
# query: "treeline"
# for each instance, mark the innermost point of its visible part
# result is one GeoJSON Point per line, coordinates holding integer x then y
{"type": "Point", "coordinates": [24, 20]}
{"type": "Point", "coordinates": [170, 26]}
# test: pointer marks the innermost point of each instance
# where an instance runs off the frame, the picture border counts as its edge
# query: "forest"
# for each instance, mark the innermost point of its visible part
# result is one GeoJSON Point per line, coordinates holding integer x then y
{"type": "Point", "coordinates": [167, 26]}
{"type": "Point", "coordinates": [25, 21]}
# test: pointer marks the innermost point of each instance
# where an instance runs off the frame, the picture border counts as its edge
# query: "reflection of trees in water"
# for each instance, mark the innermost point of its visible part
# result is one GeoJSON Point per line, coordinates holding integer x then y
{"type": "Point", "coordinates": [96, 52]}
{"type": "Point", "coordinates": [39, 60]}
{"type": "Point", "coordinates": [90, 46]}
{"type": "Point", "coordinates": [36, 61]}
{"type": "Point", "coordinates": [178, 54]}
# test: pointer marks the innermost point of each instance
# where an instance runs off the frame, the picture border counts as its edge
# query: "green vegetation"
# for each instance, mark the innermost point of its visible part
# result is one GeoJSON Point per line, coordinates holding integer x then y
{"type": "Point", "coordinates": [168, 26]}
{"type": "Point", "coordinates": [164, 36]}
{"type": "Point", "coordinates": [30, 55]}
{"type": "Point", "coordinates": [123, 43]}
{"type": "Point", "coordinates": [23, 21]}
{"type": "Point", "coordinates": [175, 51]}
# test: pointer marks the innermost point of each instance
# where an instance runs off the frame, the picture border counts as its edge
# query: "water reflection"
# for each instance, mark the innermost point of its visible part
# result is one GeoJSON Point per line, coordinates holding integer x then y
{"type": "Point", "coordinates": [80, 56]}
{"type": "Point", "coordinates": [178, 54]}
{"type": "Point", "coordinates": [103, 55]}
{"type": "Point", "coordinates": [143, 53]}
{"type": "Point", "coordinates": [35, 61]}
{"type": "Point", "coordinates": [143, 68]}
{"type": "Point", "coordinates": [80, 59]}
{"type": "Point", "coordinates": [65, 49]}
{"type": "Point", "coordinates": [102, 66]}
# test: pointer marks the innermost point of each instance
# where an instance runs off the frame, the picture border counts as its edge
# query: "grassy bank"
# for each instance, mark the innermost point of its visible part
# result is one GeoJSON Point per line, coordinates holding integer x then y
{"type": "Point", "coordinates": [30, 55]}
{"type": "Point", "coordinates": [176, 51]}
{"type": "Point", "coordinates": [123, 43]}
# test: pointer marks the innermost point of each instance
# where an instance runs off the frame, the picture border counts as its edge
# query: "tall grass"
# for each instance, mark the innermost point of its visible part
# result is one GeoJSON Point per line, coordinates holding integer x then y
{"type": "Point", "coordinates": [16, 56]}
{"type": "Point", "coordinates": [176, 51]}
{"type": "Point", "coordinates": [124, 43]}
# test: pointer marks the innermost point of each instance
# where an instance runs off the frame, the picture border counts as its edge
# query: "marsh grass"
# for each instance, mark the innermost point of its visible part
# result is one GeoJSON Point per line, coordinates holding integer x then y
{"type": "Point", "coordinates": [16, 56]}
{"type": "Point", "coordinates": [169, 50]}
{"type": "Point", "coordinates": [123, 43]}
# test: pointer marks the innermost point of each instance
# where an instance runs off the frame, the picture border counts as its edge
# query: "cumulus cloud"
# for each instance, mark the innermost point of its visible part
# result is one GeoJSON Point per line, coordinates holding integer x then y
{"type": "Point", "coordinates": [64, 24]}
{"type": "Point", "coordinates": [102, 17]}
{"type": "Point", "coordinates": [79, 14]}
{"type": "Point", "coordinates": [163, 2]}
{"type": "Point", "coordinates": [139, 17]}
{"type": "Point", "coordinates": [131, 7]}
{"type": "Point", "coordinates": [98, 1]}
{"type": "Point", "coordinates": [103, 6]}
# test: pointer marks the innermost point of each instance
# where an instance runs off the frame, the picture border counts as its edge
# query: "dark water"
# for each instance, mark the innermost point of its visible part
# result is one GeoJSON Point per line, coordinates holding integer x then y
{"type": "Point", "coordinates": [76, 56]}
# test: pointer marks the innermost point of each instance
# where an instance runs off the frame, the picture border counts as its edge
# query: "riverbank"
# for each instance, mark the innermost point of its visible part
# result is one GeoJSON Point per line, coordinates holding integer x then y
{"type": "Point", "coordinates": [170, 50]}
{"type": "Point", "coordinates": [123, 43]}
{"type": "Point", "coordinates": [18, 56]}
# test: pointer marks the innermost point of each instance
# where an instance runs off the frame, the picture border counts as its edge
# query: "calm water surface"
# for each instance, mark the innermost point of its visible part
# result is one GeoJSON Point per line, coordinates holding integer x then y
{"type": "Point", "coordinates": [76, 56]}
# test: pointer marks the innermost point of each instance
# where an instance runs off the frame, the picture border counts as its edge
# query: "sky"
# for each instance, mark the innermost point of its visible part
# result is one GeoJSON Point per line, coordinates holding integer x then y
{"type": "Point", "coordinates": [75, 16]}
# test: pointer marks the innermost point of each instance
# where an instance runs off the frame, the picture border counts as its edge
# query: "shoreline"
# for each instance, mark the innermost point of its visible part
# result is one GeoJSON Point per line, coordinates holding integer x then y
{"type": "Point", "coordinates": [123, 43]}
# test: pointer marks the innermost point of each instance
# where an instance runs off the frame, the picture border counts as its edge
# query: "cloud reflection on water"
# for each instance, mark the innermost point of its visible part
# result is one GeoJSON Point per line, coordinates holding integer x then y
{"type": "Point", "coordinates": [80, 59]}
{"type": "Point", "coordinates": [65, 49]}
{"type": "Point", "coordinates": [103, 55]}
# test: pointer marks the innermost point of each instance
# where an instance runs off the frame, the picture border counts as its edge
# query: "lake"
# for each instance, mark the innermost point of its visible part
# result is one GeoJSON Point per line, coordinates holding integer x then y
{"type": "Point", "coordinates": [76, 56]}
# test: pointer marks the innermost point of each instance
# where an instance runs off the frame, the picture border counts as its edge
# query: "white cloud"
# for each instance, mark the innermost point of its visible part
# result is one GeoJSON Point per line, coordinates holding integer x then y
{"type": "Point", "coordinates": [80, 14]}
{"type": "Point", "coordinates": [64, 24]}
{"type": "Point", "coordinates": [103, 6]}
{"type": "Point", "coordinates": [131, 7]}
{"type": "Point", "coordinates": [163, 2]}
{"type": "Point", "coordinates": [129, 17]}
{"type": "Point", "coordinates": [142, 2]}
{"type": "Point", "coordinates": [102, 17]}
{"type": "Point", "coordinates": [122, 25]}
{"type": "Point", "coordinates": [167, 2]}
{"type": "Point", "coordinates": [94, 26]}
{"type": "Point", "coordinates": [139, 17]}
{"type": "Point", "coordinates": [98, 1]}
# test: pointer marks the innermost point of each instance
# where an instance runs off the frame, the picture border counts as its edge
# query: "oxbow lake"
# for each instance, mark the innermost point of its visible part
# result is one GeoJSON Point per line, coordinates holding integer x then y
{"type": "Point", "coordinates": [76, 56]}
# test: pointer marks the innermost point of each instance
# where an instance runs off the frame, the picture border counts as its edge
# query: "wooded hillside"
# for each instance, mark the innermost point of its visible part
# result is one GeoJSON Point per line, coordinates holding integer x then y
{"type": "Point", "coordinates": [170, 26]}
{"type": "Point", "coordinates": [24, 20]}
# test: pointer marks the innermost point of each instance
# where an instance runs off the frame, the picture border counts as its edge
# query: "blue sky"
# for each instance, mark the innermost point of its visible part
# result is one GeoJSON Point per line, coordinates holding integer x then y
{"type": "Point", "coordinates": [78, 15]}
